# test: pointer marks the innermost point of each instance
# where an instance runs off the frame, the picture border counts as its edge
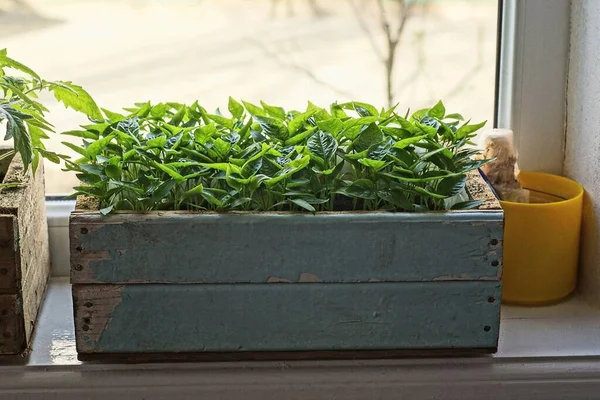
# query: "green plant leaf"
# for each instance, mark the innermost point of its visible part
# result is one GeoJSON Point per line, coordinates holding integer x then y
{"type": "Point", "coordinates": [272, 127]}
{"type": "Point", "coordinates": [254, 110]}
{"type": "Point", "coordinates": [454, 116]}
{"type": "Point", "coordinates": [169, 171]}
{"type": "Point", "coordinates": [303, 204]}
{"type": "Point", "coordinates": [323, 145]}
{"type": "Point", "coordinates": [467, 129]}
{"type": "Point", "coordinates": [333, 126]}
{"type": "Point", "coordinates": [452, 185]}
{"type": "Point", "coordinates": [75, 97]}
{"type": "Point", "coordinates": [374, 164]}
{"type": "Point", "coordinates": [467, 205]}
{"type": "Point", "coordinates": [368, 137]}
{"type": "Point", "coordinates": [96, 147]}
{"type": "Point", "coordinates": [7, 62]}
{"type": "Point", "coordinates": [438, 111]}
{"type": "Point", "coordinates": [361, 188]}
{"type": "Point", "coordinates": [235, 108]}
{"type": "Point", "coordinates": [273, 111]}
{"type": "Point", "coordinates": [220, 120]}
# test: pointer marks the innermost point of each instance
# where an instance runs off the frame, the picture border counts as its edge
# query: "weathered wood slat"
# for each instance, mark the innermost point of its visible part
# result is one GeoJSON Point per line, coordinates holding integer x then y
{"type": "Point", "coordinates": [258, 248]}
{"type": "Point", "coordinates": [24, 249]}
{"type": "Point", "coordinates": [279, 317]}
{"type": "Point", "coordinates": [9, 273]}
{"type": "Point", "coordinates": [12, 334]}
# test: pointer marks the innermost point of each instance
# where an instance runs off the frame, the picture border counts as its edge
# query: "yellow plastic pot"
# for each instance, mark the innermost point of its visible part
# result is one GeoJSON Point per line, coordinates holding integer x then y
{"type": "Point", "coordinates": [541, 241]}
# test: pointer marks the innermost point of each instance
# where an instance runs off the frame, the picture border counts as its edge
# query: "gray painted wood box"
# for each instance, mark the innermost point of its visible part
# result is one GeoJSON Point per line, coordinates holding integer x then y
{"type": "Point", "coordinates": [291, 285]}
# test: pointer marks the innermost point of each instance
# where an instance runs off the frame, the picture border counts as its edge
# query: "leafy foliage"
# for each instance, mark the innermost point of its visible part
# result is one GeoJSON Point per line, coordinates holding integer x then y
{"type": "Point", "coordinates": [24, 115]}
{"type": "Point", "coordinates": [172, 156]}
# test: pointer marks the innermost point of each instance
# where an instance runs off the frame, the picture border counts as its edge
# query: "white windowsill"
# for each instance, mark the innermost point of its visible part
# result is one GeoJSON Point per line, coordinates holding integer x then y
{"type": "Point", "coordinates": [544, 353]}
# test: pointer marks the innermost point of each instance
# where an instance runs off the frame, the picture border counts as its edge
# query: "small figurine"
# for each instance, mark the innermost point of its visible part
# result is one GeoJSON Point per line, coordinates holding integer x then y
{"type": "Point", "coordinates": [497, 144]}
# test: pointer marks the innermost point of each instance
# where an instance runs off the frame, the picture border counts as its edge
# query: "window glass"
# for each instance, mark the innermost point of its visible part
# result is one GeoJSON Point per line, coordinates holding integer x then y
{"type": "Point", "coordinates": [285, 52]}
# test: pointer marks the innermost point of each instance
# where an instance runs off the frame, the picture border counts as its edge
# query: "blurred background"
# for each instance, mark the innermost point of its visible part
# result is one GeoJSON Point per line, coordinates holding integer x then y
{"type": "Point", "coordinates": [410, 52]}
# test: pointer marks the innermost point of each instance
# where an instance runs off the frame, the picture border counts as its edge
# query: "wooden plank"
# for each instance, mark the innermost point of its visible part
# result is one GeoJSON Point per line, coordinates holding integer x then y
{"type": "Point", "coordinates": [24, 248]}
{"type": "Point", "coordinates": [10, 274]}
{"type": "Point", "coordinates": [280, 317]}
{"type": "Point", "coordinates": [34, 250]}
{"type": "Point", "coordinates": [177, 247]}
{"type": "Point", "coordinates": [12, 335]}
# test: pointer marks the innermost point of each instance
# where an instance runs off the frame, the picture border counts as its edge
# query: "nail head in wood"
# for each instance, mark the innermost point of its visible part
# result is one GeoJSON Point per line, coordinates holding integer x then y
{"type": "Point", "coordinates": [84, 231]}
{"type": "Point", "coordinates": [78, 267]}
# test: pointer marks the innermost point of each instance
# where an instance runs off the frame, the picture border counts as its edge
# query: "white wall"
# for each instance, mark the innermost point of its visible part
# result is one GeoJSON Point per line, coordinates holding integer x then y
{"type": "Point", "coordinates": [582, 157]}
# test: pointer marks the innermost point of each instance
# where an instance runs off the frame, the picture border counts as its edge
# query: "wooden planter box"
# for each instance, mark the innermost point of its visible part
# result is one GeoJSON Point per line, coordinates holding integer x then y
{"type": "Point", "coordinates": [169, 284]}
{"type": "Point", "coordinates": [24, 255]}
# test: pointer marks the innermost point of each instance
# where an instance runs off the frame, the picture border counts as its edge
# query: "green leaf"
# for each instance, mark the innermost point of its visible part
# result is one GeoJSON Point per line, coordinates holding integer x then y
{"type": "Point", "coordinates": [454, 116]}
{"type": "Point", "coordinates": [162, 191]}
{"type": "Point", "coordinates": [332, 125]}
{"type": "Point", "coordinates": [82, 134]}
{"type": "Point", "coordinates": [466, 129]}
{"type": "Point", "coordinates": [50, 156]}
{"type": "Point", "coordinates": [195, 191]}
{"type": "Point", "coordinates": [404, 143]}
{"type": "Point", "coordinates": [107, 210]}
{"type": "Point", "coordinates": [96, 147]}
{"type": "Point", "coordinates": [171, 172]}
{"type": "Point", "coordinates": [220, 120]}
{"type": "Point", "coordinates": [272, 111]}
{"type": "Point", "coordinates": [299, 120]}
{"type": "Point", "coordinates": [222, 148]}
{"type": "Point", "coordinates": [374, 164]}
{"type": "Point", "coordinates": [272, 127]}
{"type": "Point", "coordinates": [303, 204]}
{"type": "Point", "coordinates": [254, 110]}
{"type": "Point", "coordinates": [77, 149]}
{"type": "Point", "coordinates": [467, 205]}
{"type": "Point", "coordinates": [323, 145]}
{"type": "Point", "coordinates": [179, 116]}
{"type": "Point", "coordinates": [113, 116]}
{"type": "Point", "coordinates": [235, 108]}
{"type": "Point", "coordinates": [77, 98]}
{"type": "Point", "coordinates": [452, 185]}
{"type": "Point", "coordinates": [368, 137]}
{"type": "Point", "coordinates": [438, 111]}
{"type": "Point", "coordinates": [363, 109]}
{"type": "Point", "coordinates": [361, 188]}
{"type": "Point", "coordinates": [6, 62]}
{"type": "Point", "coordinates": [223, 167]}
{"type": "Point", "coordinates": [299, 138]}
{"type": "Point", "coordinates": [113, 171]}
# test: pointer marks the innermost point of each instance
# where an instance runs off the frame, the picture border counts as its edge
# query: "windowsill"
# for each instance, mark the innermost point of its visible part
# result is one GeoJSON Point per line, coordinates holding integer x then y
{"type": "Point", "coordinates": [566, 329]}
{"type": "Point", "coordinates": [545, 352]}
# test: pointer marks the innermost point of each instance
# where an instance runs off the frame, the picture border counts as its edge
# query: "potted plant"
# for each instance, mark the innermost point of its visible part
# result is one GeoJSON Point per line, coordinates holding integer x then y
{"type": "Point", "coordinates": [322, 230]}
{"type": "Point", "coordinates": [24, 252]}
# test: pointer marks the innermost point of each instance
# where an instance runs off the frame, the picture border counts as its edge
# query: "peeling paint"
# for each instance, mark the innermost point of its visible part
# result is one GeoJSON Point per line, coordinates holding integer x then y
{"type": "Point", "coordinates": [273, 279]}
{"type": "Point", "coordinates": [306, 277]}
